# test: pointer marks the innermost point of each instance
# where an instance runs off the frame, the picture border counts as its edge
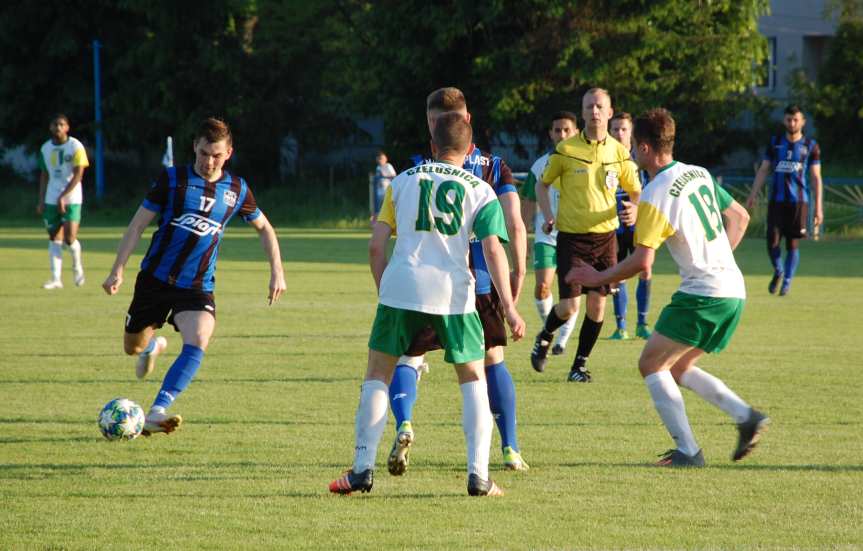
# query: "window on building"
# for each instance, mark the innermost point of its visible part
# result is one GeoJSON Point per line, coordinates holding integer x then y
{"type": "Point", "coordinates": [766, 73]}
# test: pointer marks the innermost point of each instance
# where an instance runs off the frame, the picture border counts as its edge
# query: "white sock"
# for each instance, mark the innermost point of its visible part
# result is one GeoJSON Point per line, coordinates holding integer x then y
{"type": "Point", "coordinates": [75, 249]}
{"type": "Point", "coordinates": [412, 361]}
{"type": "Point", "coordinates": [477, 423]}
{"type": "Point", "coordinates": [543, 307]}
{"type": "Point", "coordinates": [566, 330]}
{"type": "Point", "coordinates": [55, 258]}
{"type": "Point", "coordinates": [716, 392]}
{"type": "Point", "coordinates": [669, 404]}
{"type": "Point", "coordinates": [370, 422]}
{"type": "Point", "coordinates": [150, 347]}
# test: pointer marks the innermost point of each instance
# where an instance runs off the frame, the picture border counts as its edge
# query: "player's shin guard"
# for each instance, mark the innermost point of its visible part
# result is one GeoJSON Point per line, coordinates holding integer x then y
{"type": "Point", "coordinates": [543, 307]}
{"type": "Point", "coordinates": [501, 397]}
{"type": "Point", "coordinates": [669, 404]}
{"type": "Point", "coordinates": [552, 323]}
{"type": "Point", "coordinates": [775, 258]}
{"type": "Point", "coordinates": [587, 339]}
{"type": "Point", "coordinates": [716, 392]}
{"type": "Point", "coordinates": [369, 424]}
{"type": "Point", "coordinates": [179, 375]}
{"type": "Point", "coordinates": [55, 259]}
{"type": "Point", "coordinates": [403, 393]}
{"type": "Point", "coordinates": [792, 260]}
{"type": "Point", "coordinates": [476, 422]}
{"type": "Point", "coordinates": [642, 298]}
{"type": "Point", "coordinates": [620, 300]}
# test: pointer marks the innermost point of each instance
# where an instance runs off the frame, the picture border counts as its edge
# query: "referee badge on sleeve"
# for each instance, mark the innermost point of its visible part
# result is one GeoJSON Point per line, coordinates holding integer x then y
{"type": "Point", "coordinates": [611, 180]}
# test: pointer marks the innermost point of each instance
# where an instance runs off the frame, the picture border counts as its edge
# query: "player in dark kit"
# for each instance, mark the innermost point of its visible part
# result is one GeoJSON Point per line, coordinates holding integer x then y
{"type": "Point", "coordinates": [177, 277]}
{"type": "Point", "coordinates": [791, 156]}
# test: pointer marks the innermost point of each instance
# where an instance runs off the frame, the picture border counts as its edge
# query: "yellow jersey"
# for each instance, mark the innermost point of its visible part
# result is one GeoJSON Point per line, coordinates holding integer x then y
{"type": "Point", "coordinates": [587, 173]}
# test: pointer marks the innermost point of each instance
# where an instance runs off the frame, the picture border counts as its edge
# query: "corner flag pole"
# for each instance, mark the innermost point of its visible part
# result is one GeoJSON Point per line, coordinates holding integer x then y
{"type": "Point", "coordinates": [97, 84]}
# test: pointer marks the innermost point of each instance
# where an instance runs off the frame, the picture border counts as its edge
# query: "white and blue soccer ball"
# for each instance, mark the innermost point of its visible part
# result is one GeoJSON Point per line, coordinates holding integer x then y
{"type": "Point", "coordinates": [121, 419]}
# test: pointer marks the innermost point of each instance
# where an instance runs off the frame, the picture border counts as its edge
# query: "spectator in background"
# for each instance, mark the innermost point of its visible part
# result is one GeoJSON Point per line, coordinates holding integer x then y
{"type": "Point", "coordinates": [384, 173]}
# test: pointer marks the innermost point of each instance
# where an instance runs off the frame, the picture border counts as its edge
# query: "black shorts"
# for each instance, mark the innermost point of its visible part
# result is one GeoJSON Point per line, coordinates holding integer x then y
{"type": "Point", "coordinates": [596, 249]}
{"type": "Point", "coordinates": [493, 328]}
{"type": "Point", "coordinates": [789, 220]}
{"type": "Point", "coordinates": [155, 301]}
{"type": "Point", "coordinates": [625, 244]}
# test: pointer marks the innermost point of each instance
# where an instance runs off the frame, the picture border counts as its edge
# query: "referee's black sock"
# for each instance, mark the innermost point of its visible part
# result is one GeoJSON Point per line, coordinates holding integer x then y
{"type": "Point", "coordinates": [552, 324]}
{"type": "Point", "coordinates": [586, 340]}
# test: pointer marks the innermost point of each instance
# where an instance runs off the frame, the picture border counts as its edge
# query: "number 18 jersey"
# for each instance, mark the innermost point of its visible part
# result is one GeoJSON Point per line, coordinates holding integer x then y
{"type": "Point", "coordinates": [683, 207]}
{"type": "Point", "coordinates": [434, 208]}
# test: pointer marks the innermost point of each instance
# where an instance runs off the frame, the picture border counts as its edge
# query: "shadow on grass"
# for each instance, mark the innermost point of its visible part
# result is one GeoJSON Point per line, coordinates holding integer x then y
{"type": "Point", "coordinates": [724, 466]}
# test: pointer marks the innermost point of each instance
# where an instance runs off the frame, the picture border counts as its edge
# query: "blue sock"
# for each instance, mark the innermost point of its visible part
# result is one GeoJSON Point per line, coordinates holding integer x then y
{"type": "Point", "coordinates": [792, 259]}
{"type": "Point", "coordinates": [776, 258]}
{"type": "Point", "coordinates": [620, 300]}
{"type": "Point", "coordinates": [642, 297]}
{"type": "Point", "coordinates": [501, 398]}
{"type": "Point", "coordinates": [403, 393]}
{"type": "Point", "coordinates": [179, 375]}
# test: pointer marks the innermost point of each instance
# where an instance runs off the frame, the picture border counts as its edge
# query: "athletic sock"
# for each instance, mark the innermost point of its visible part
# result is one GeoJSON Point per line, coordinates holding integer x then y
{"type": "Point", "coordinates": [716, 392]}
{"type": "Point", "coordinates": [668, 402]}
{"type": "Point", "coordinates": [566, 330]}
{"type": "Point", "coordinates": [476, 422]}
{"type": "Point", "coordinates": [543, 306]}
{"type": "Point", "coordinates": [403, 393]}
{"type": "Point", "coordinates": [775, 258]}
{"type": "Point", "coordinates": [55, 259]}
{"type": "Point", "coordinates": [620, 300]}
{"type": "Point", "coordinates": [586, 340]}
{"type": "Point", "coordinates": [75, 249]}
{"type": "Point", "coordinates": [369, 424]}
{"type": "Point", "coordinates": [552, 323]}
{"type": "Point", "coordinates": [150, 347]}
{"type": "Point", "coordinates": [792, 259]}
{"type": "Point", "coordinates": [501, 398]}
{"type": "Point", "coordinates": [642, 298]}
{"type": "Point", "coordinates": [179, 375]}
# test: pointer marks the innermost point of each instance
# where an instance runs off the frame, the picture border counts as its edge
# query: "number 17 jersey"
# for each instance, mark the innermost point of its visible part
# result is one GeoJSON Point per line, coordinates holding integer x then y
{"type": "Point", "coordinates": [683, 206]}
{"type": "Point", "coordinates": [434, 209]}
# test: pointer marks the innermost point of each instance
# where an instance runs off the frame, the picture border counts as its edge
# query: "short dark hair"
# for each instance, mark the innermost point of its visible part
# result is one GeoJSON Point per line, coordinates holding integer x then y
{"type": "Point", "coordinates": [793, 109]}
{"type": "Point", "coordinates": [452, 133]}
{"type": "Point", "coordinates": [214, 130]}
{"type": "Point", "coordinates": [59, 117]}
{"type": "Point", "coordinates": [622, 116]}
{"type": "Point", "coordinates": [656, 128]}
{"type": "Point", "coordinates": [446, 99]}
{"type": "Point", "coordinates": [565, 115]}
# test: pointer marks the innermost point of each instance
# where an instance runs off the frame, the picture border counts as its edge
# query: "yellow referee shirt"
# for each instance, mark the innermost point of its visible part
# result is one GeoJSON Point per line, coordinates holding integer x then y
{"type": "Point", "coordinates": [587, 174]}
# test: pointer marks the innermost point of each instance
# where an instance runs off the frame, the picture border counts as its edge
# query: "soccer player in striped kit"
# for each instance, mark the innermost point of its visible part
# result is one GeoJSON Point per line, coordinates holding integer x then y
{"type": "Point", "coordinates": [791, 157]}
{"type": "Point", "coordinates": [177, 277]}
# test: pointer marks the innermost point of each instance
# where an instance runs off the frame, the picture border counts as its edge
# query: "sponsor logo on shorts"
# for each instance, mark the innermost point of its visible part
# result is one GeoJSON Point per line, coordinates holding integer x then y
{"type": "Point", "coordinates": [230, 198]}
{"type": "Point", "coordinates": [197, 224]}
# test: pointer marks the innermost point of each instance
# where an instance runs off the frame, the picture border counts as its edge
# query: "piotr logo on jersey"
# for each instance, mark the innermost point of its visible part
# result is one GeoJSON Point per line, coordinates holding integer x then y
{"type": "Point", "coordinates": [230, 198]}
{"type": "Point", "coordinates": [197, 224]}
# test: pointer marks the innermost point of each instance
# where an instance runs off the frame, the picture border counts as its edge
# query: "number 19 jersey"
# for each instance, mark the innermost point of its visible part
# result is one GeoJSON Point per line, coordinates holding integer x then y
{"type": "Point", "coordinates": [434, 209]}
{"type": "Point", "coordinates": [683, 206]}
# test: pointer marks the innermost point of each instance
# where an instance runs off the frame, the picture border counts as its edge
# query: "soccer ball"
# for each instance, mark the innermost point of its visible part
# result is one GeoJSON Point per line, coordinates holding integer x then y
{"type": "Point", "coordinates": [121, 419]}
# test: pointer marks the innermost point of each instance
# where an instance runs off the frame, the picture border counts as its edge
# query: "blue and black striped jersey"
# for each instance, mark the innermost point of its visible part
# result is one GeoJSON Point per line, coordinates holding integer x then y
{"type": "Point", "coordinates": [193, 214]}
{"type": "Point", "coordinates": [791, 162]}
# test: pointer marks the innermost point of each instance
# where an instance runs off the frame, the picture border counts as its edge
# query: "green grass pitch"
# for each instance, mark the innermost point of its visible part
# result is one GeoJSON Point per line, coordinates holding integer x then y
{"type": "Point", "coordinates": [269, 420]}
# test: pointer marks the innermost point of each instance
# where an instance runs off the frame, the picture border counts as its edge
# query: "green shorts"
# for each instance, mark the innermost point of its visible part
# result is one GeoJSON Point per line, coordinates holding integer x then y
{"type": "Point", "coordinates": [53, 219]}
{"type": "Point", "coordinates": [706, 323]}
{"type": "Point", "coordinates": [460, 334]}
{"type": "Point", "coordinates": [544, 256]}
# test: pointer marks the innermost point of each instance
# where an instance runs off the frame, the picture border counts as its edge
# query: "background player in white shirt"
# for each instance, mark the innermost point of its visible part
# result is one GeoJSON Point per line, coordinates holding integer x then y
{"type": "Point", "coordinates": [62, 161]}
{"type": "Point", "coordinates": [434, 209]}
{"type": "Point", "coordinates": [564, 124]}
{"type": "Point", "coordinates": [682, 207]}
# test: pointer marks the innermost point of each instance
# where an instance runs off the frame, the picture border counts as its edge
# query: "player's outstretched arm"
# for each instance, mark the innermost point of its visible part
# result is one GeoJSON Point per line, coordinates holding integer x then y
{"type": "Point", "coordinates": [139, 223]}
{"type": "Point", "coordinates": [586, 275]}
{"type": "Point", "coordinates": [378, 251]}
{"type": "Point", "coordinates": [760, 177]}
{"type": "Point", "coordinates": [270, 242]}
{"type": "Point", "coordinates": [511, 206]}
{"type": "Point", "coordinates": [736, 221]}
{"type": "Point", "coordinates": [495, 259]}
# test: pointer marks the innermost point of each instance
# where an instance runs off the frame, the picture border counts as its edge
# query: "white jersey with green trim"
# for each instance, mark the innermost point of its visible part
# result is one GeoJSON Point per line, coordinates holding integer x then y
{"type": "Point", "coordinates": [58, 161]}
{"type": "Point", "coordinates": [535, 175]}
{"type": "Point", "coordinates": [683, 206]}
{"type": "Point", "coordinates": [434, 209]}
